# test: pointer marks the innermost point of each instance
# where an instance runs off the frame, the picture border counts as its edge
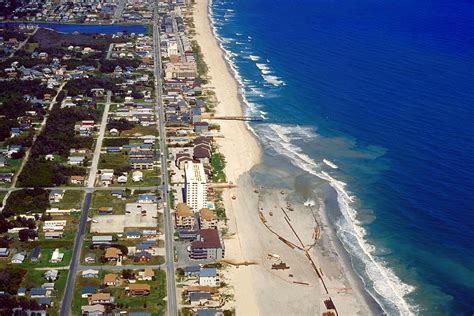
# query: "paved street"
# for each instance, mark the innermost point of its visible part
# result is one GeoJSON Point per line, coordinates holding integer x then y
{"type": "Point", "coordinates": [68, 293]}
{"type": "Point", "coordinates": [167, 221]}
{"type": "Point", "coordinates": [98, 147]}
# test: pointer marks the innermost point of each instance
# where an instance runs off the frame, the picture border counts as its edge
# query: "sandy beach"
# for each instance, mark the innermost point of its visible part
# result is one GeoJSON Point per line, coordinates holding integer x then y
{"type": "Point", "coordinates": [259, 216]}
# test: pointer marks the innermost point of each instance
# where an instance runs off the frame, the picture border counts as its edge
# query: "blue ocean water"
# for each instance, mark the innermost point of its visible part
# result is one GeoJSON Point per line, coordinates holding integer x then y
{"type": "Point", "coordinates": [86, 28]}
{"type": "Point", "coordinates": [384, 90]}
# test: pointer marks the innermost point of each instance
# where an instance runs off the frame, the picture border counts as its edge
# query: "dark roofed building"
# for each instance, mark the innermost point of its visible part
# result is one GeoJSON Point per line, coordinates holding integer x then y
{"type": "Point", "coordinates": [208, 246]}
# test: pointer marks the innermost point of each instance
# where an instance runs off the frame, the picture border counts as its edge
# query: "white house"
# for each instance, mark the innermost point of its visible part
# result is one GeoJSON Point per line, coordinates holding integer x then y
{"type": "Point", "coordinates": [137, 176]}
{"type": "Point", "coordinates": [209, 277]}
{"type": "Point", "coordinates": [56, 256]}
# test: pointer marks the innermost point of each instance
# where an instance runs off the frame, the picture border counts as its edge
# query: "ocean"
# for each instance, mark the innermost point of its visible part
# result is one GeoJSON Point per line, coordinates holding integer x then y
{"type": "Point", "coordinates": [374, 100]}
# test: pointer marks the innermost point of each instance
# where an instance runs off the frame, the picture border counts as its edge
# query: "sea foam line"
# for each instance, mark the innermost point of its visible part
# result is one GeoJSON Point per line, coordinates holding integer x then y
{"type": "Point", "coordinates": [386, 283]}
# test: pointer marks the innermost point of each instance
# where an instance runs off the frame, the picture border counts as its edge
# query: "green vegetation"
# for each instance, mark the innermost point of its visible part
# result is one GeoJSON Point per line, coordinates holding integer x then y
{"type": "Point", "coordinates": [115, 142]}
{"type": "Point", "coordinates": [140, 131]}
{"type": "Point", "coordinates": [22, 201]}
{"type": "Point", "coordinates": [118, 161]}
{"type": "Point", "coordinates": [200, 63]}
{"type": "Point", "coordinates": [218, 165]}
{"type": "Point", "coordinates": [71, 199]}
{"type": "Point", "coordinates": [105, 199]}
{"type": "Point", "coordinates": [43, 261]}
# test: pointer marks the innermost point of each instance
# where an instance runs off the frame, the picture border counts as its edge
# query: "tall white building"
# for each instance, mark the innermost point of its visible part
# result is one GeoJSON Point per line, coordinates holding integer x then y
{"type": "Point", "coordinates": [195, 185]}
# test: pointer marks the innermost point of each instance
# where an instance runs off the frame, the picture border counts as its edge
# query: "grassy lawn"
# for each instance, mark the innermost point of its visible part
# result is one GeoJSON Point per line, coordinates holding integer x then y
{"type": "Point", "coordinates": [71, 199]}
{"type": "Point", "coordinates": [113, 161]}
{"type": "Point", "coordinates": [218, 164]}
{"type": "Point", "coordinates": [150, 178]}
{"type": "Point", "coordinates": [152, 303]}
{"type": "Point", "coordinates": [105, 199]}
{"type": "Point", "coordinates": [34, 278]}
{"type": "Point", "coordinates": [140, 131]}
{"type": "Point", "coordinates": [30, 47]}
{"type": "Point", "coordinates": [11, 165]}
{"type": "Point", "coordinates": [2, 195]}
{"type": "Point", "coordinates": [44, 259]}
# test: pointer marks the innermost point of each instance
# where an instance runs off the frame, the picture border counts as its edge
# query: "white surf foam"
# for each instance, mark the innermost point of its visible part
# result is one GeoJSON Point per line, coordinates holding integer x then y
{"type": "Point", "coordinates": [254, 58]}
{"type": "Point", "coordinates": [352, 234]}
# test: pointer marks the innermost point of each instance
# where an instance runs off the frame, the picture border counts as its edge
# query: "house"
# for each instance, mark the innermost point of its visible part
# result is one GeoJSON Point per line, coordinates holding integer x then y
{"type": "Point", "coordinates": [90, 258]}
{"type": "Point", "coordinates": [110, 279]}
{"type": "Point", "coordinates": [184, 217]}
{"type": "Point", "coordinates": [207, 219]}
{"type": "Point", "coordinates": [122, 178]}
{"type": "Point", "coordinates": [133, 235]}
{"type": "Point", "coordinates": [118, 193]}
{"type": "Point", "coordinates": [76, 160]}
{"type": "Point", "coordinates": [51, 275]}
{"type": "Point", "coordinates": [100, 298]}
{"type": "Point", "coordinates": [114, 132]}
{"type": "Point", "coordinates": [35, 254]}
{"type": "Point", "coordinates": [113, 254]}
{"type": "Point", "coordinates": [106, 177]}
{"type": "Point", "coordinates": [147, 233]}
{"type": "Point", "coordinates": [90, 273]}
{"type": "Point", "coordinates": [142, 256]}
{"type": "Point", "coordinates": [93, 310]}
{"type": "Point", "coordinates": [80, 180]}
{"type": "Point", "coordinates": [56, 195]}
{"type": "Point", "coordinates": [146, 275]}
{"type": "Point", "coordinates": [137, 176]}
{"type": "Point", "coordinates": [21, 291]}
{"type": "Point", "coordinates": [105, 210]}
{"type": "Point", "coordinates": [87, 291]}
{"type": "Point", "coordinates": [57, 212]}
{"type": "Point", "coordinates": [19, 257]}
{"type": "Point", "coordinates": [209, 312]}
{"type": "Point", "coordinates": [200, 127]}
{"type": "Point", "coordinates": [147, 198]}
{"type": "Point", "coordinates": [138, 289]}
{"type": "Point", "coordinates": [101, 240]}
{"type": "Point", "coordinates": [141, 163]}
{"type": "Point", "coordinates": [199, 298]}
{"type": "Point", "coordinates": [6, 177]}
{"type": "Point", "coordinates": [192, 271]}
{"type": "Point", "coordinates": [53, 235]}
{"type": "Point", "coordinates": [37, 292]}
{"type": "Point", "coordinates": [208, 245]}
{"type": "Point", "coordinates": [209, 277]}
{"type": "Point", "coordinates": [57, 256]}
{"type": "Point", "coordinates": [4, 252]}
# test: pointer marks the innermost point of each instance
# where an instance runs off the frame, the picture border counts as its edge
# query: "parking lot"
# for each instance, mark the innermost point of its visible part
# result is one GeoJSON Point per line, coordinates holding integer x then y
{"type": "Point", "coordinates": [136, 215]}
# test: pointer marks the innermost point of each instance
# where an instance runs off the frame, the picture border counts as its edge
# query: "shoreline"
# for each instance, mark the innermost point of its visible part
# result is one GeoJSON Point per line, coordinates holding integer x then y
{"type": "Point", "coordinates": [243, 280]}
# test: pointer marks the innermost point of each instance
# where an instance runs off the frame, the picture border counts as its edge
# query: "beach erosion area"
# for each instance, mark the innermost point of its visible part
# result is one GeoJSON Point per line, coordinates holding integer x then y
{"type": "Point", "coordinates": [269, 222]}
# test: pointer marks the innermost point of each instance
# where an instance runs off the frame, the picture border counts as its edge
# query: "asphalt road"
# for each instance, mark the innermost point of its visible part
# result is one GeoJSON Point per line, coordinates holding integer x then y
{"type": "Point", "coordinates": [68, 293]}
{"type": "Point", "coordinates": [98, 147]}
{"type": "Point", "coordinates": [167, 221]}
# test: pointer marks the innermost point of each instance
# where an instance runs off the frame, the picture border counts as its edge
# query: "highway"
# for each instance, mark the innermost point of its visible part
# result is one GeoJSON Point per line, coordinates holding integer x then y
{"type": "Point", "coordinates": [68, 292]}
{"type": "Point", "coordinates": [167, 220]}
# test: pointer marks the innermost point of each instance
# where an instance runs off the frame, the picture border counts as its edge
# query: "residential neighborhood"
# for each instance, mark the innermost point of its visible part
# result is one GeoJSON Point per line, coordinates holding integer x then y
{"type": "Point", "coordinates": [89, 214]}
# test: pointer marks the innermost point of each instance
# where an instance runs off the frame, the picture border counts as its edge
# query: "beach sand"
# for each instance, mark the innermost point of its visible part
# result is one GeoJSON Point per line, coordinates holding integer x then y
{"type": "Point", "coordinates": [258, 289]}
